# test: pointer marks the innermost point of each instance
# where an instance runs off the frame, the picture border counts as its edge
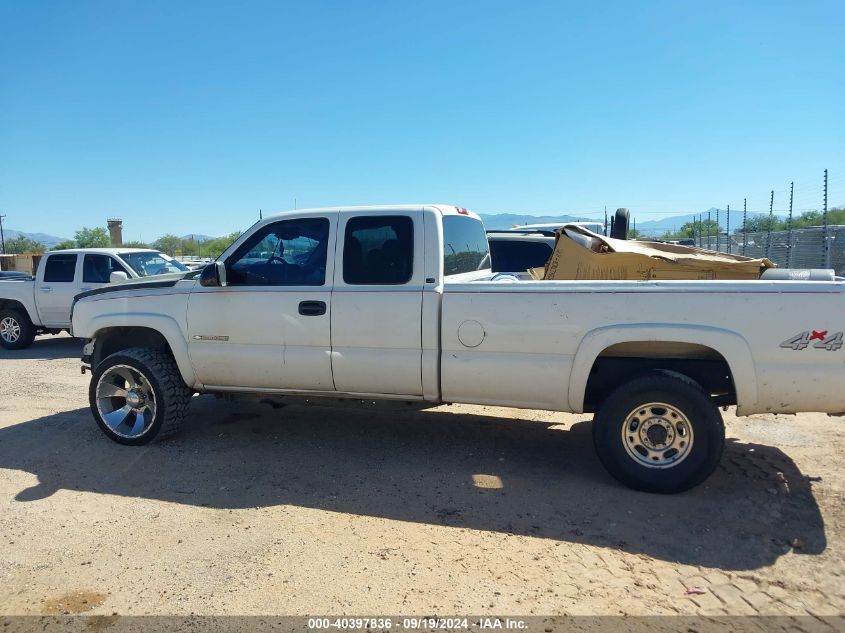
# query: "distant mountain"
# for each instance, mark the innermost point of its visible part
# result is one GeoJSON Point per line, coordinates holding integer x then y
{"type": "Point", "coordinates": [47, 240]}
{"type": "Point", "coordinates": [507, 220]}
{"type": "Point", "coordinates": [672, 223]}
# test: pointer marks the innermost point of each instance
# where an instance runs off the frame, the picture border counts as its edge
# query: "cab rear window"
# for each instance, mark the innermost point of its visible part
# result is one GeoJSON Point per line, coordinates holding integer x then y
{"type": "Point", "coordinates": [60, 268]}
{"type": "Point", "coordinates": [465, 245]}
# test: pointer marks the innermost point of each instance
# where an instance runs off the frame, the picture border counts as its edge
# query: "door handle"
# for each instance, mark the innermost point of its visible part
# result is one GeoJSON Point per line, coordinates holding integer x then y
{"type": "Point", "coordinates": [85, 289]}
{"type": "Point", "coordinates": [312, 308]}
{"type": "Point", "coordinates": [45, 289]}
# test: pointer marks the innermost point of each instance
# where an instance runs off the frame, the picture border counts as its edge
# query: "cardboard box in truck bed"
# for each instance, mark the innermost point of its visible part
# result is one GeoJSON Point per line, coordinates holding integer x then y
{"type": "Point", "coordinates": [582, 254]}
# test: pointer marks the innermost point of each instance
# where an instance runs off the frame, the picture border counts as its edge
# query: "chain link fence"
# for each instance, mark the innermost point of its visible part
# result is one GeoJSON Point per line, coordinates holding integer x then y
{"type": "Point", "coordinates": [798, 248]}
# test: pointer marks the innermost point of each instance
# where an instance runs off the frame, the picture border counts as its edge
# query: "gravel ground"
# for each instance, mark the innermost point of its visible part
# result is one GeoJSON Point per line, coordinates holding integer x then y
{"type": "Point", "coordinates": [354, 508]}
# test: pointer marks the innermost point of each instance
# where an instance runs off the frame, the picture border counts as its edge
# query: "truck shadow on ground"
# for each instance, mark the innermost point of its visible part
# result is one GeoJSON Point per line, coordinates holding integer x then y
{"type": "Point", "coordinates": [46, 347]}
{"type": "Point", "coordinates": [435, 467]}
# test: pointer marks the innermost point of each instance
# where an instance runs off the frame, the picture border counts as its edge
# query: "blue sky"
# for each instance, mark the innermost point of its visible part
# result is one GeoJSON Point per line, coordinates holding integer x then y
{"type": "Point", "coordinates": [190, 116]}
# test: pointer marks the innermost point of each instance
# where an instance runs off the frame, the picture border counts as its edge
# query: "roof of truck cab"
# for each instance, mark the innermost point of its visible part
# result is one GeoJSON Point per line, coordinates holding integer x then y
{"type": "Point", "coordinates": [103, 251]}
{"type": "Point", "coordinates": [444, 209]}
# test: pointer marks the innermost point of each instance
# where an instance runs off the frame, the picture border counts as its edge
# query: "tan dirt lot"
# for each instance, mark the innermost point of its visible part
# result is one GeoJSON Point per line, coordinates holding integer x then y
{"type": "Point", "coordinates": [358, 508]}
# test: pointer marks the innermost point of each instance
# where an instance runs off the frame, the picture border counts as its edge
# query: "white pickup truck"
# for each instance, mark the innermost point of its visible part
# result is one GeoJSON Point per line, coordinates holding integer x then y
{"type": "Point", "coordinates": [33, 305]}
{"type": "Point", "coordinates": [398, 302]}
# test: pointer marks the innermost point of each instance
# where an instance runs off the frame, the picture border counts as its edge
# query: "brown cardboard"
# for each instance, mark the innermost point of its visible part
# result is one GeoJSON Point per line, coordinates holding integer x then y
{"type": "Point", "coordinates": [609, 258]}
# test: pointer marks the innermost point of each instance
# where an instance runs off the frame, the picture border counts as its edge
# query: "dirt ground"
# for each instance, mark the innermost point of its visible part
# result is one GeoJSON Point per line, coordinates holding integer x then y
{"type": "Point", "coordinates": [326, 508]}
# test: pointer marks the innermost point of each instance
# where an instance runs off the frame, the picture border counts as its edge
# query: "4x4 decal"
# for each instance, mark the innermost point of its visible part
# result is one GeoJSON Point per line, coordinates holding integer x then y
{"type": "Point", "coordinates": [823, 341]}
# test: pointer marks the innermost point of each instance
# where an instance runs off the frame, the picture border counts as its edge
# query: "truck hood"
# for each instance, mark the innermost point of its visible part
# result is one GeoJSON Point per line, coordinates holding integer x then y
{"type": "Point", "coordinates": [159, 281]}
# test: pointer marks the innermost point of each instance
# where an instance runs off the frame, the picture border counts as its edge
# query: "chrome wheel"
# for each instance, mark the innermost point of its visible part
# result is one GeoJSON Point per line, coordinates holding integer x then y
{"type": "Point", "coordinates": [657, 435]}
{"type": "Point", "coordinates": [126, 401]}
{"type": "Point", "coordinates": [10, 329]}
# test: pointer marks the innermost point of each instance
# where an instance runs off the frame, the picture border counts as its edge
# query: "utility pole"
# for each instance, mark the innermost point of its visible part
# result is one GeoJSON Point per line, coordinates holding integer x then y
{"type": "Point", "coordinates": [744, 224]}
{"type": "Point", "coordinates": [789, 225]}
{"type": "Point", "coordinates": [771, 221]}
{"type": "Point", "coordinates": [718, 232]}
{"type": "Point", "coordinates": [605, 220]}
{"type": "Point", "coordinates": [709, 222]}
{"type": "Point", "coordinates": [826, 236]}
{"type": "Point", "coordinates": [700, 230]}
{"type": "Point", "coordinates": [728, 229]}
{"type": "Point", "coordinates": [2, 236]}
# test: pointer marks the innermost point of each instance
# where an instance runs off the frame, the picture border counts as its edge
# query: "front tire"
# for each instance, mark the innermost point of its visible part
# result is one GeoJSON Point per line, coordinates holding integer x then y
{"type": "Point", "coordinates": [16, 330]}
{"type": "Point", "coordinates": [659, 433]}
{"type": "Point", "coordinates": [137, 395]}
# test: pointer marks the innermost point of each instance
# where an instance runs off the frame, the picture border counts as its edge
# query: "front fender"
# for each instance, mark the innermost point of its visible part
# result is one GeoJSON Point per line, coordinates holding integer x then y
{"type": "Point", "coordinates": [167, 326]}
{"type": "Point", "coordinates": [733, 347]}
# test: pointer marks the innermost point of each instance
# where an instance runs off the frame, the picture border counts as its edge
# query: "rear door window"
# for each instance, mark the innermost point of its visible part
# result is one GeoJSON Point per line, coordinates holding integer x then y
{"type": "Point", "coordinates": [378, 250]}
{"type": "Point", "coordinates": [60, 268]}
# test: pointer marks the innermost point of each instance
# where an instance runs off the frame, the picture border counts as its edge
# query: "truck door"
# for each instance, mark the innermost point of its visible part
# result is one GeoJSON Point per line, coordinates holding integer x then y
{"type": "Point", "coordinates": [56, 289]}
{"type": "Point", "coordinates": [269, 326]}
{"type": "Point", "coordinates": [377, 303]}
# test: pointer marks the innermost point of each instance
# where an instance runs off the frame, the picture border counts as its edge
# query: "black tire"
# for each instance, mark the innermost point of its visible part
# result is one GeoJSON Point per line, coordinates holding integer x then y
{"type": "Point", "coordinates": [24, 329]}
{"type": "Point", "coordinates": [699, 419]}
{"type": "Point", "coordinates": [619, 228]}
{"type": "Point", "coordinates": [172, 396]}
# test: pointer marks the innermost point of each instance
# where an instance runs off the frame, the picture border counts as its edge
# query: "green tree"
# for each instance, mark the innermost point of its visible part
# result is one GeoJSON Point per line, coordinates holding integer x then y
{"type": "Point", "coordinates": [705, 227]}
{"type": "Point", "coordinates": [175, 245]}
{"type": "Point", "coordinates": [835, 215]}
{"type": "Point", "coordinates": [808, 218]}
{"type": "Point", "coordinates": [169, 243]}
{"type": "Point", "coordinates": [694, 230]}
{"type": "Point", "coordinates": [23, 244]}
{"type": "Point", "coordinates": [761, 223]}
{"type": "Point", "coordinates": [135, 244]}
{"type": "Point", "coordinates": [215, 247]}
{"type": "Point", "coordinates": [190, 247]}
{"type": "Point", "coordinates": [92, 238]}
{"type": "Point", "coordinates": [63, 245]}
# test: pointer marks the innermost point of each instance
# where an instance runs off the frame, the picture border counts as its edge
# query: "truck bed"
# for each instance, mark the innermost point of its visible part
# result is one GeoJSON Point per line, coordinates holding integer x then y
{"type": "Point", "coordinates": [536, 332]}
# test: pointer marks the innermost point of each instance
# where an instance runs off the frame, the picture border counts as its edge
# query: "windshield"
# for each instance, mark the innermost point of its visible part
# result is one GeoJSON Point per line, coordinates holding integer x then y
{"type": "Point", "coordinates": [151, 263]}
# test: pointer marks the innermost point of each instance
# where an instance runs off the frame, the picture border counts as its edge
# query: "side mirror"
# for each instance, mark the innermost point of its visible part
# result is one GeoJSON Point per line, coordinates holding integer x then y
{"type": "Point", "coordinates": [118, 276]}
{"type": "Point", "coordinates": [213, 275]}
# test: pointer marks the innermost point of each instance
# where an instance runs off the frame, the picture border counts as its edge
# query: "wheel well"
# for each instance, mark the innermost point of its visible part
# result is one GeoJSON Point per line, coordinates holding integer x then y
{"type": "Point", "coordinates": [114, 339]}
{"type": "Point", "coordinates": [621, 362]}
{"type": "Point", "coordinates": [11, 304]}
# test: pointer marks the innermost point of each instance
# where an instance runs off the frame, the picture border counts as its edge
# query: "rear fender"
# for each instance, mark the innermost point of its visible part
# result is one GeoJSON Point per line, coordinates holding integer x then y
{"type": "Point", "coordinates": [733, 347]}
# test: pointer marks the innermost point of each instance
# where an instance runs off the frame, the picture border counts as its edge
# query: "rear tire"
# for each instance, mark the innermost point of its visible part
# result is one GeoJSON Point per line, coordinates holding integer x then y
{"type": "Point", "coordinates": [137, 395]}
{"type": "Point", "coordinates": [16, 330]}
{"type": "Point", "coordinates": [659, 433]}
